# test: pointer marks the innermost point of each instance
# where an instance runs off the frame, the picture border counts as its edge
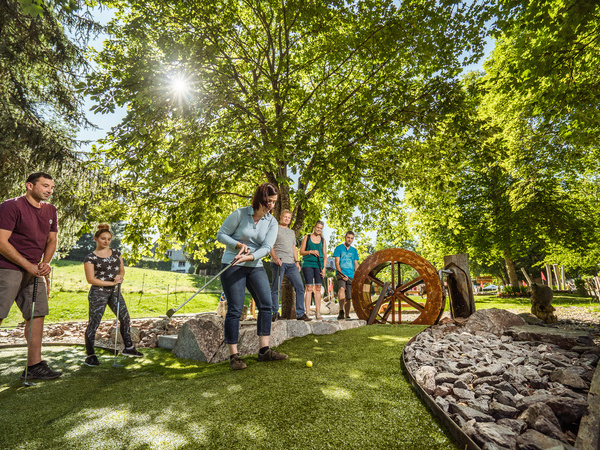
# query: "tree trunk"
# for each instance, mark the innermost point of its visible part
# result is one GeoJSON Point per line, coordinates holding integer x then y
{"type": "Point", "coordinates": [288, 300]}
{"type": "Point", "coordinates": [512, 272]}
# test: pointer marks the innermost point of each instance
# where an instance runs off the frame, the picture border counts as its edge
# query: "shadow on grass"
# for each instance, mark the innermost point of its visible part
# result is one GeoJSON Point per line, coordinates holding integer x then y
{"type": "Point", "coordinates": [354, 396]}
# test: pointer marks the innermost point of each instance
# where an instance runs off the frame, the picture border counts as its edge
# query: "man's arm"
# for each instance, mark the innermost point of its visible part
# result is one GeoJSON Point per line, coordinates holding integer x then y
{"type": "Point", "coordinates": [337, 264]}
{"type": "Point", "coordinates": [274, 257]}
{"type": "Point", "coordinates": [48, 253]}
{"type": "Point", "coordinates": [9, 252]}
{"type": "Point", "coordinates": [296, 260]}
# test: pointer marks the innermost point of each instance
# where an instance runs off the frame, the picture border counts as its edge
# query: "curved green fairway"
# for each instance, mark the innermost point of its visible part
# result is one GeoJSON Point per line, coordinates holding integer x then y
{"type": "Point", "coordinates": [355, 396]}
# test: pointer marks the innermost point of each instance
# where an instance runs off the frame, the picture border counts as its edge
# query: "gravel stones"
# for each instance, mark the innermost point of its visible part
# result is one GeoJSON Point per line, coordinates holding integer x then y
{"type": "Point", "coordinates": [518, 386]}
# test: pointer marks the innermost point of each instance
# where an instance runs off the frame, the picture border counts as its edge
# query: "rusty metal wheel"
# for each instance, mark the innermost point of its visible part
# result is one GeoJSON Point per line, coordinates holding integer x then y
{"type": "Point", "coordinates": [383, 289]}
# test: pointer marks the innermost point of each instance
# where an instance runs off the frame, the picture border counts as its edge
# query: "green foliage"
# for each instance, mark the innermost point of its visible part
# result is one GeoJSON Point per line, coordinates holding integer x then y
{"type": "Point", "coordinates": [542, 82]}
{"type": "Point", "coordinates": [547, 62]}
{"type": "Point", "coordinates": [86, 243]}
{"type": "Point", "coordinates": [160, 401]}
{"type": "Point", "coordinates": [147, 263]}
{"type": "Point", "coordinates": [320, 98]}
{"type": "Point", "coordinates": [39, 106]}
{"type": "Point", "coordinates": [512, 291]}
{"type": "Point", "coordinates": [480, 197]}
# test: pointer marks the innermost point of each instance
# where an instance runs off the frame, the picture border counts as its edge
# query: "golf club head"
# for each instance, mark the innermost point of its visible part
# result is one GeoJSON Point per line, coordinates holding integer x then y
{"type": "Point", "coordinates": [117, 365]}
{"type": "Point", "coordinates": [28, 383]}
{"type": "Point", "coordinates": [170, 313]}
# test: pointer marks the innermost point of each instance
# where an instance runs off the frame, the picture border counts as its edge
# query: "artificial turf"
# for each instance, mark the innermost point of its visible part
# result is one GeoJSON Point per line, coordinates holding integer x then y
{"type": "Point", "coordinates": [355, 396]}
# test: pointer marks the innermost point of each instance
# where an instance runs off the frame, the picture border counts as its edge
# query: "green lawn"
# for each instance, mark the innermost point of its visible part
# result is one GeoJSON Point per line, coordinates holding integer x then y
{"type": "Point", "coordinates": [564, 300]}
{"type": "Point", "coordinates": [148, 293]}
{"type": "Point", "coordinates": [355, 396]}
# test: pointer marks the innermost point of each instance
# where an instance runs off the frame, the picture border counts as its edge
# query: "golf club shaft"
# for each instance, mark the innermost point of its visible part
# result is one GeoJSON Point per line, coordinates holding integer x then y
{"type": "Point", "coordinates": [341, 274]}
{"type": "Point", "coordinates": [118, 288]}
{"type": "Point", "coordinates": [202, 288]}
{"type": "Point", "coordinates": [35, 285]}
{"type": "Point", "coordinates": [279, 285]}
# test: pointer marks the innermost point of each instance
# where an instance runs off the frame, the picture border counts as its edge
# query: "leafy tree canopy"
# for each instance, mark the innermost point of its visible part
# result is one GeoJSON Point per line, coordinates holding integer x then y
{"type": "Point", "coordinates": [41, 57]}
{"type": "Point", "coordinates": [474, 199]}
{"type": "Point", "coordinates": [321, 98]}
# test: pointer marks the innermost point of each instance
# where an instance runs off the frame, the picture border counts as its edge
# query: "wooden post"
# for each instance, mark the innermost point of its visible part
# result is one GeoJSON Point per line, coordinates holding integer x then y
{"type": "Point", "coordinates": [460, 286]}
{"type": "Point", "coordinates": [555, 270]}
{"type": "Point", "coordinates": [526, 276]}
{"type": "Point", "coordinates": [549, 275]}
{"type": "Point", "coordinates": [562, 276]}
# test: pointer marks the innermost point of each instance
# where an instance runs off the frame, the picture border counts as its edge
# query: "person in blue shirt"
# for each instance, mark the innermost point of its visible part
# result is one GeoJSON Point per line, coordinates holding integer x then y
{"type": "Point", "coordinates": [346, 262]}
{"type": "Point", "coordinates": [249, 234]}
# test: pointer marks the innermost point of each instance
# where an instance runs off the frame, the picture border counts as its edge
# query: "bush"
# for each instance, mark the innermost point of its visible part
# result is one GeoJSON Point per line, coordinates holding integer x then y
{"type": "Point", "coordinates": [519, 291]}
{"type": "Point", "coordinates": [147, 263]}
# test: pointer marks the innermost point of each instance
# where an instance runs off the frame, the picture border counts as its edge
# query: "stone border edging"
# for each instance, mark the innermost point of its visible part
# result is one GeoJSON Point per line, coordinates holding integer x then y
{"type": "Point", "coordinates": [462, 438]}
{"type": "Point", "coordinates": [202, 338]}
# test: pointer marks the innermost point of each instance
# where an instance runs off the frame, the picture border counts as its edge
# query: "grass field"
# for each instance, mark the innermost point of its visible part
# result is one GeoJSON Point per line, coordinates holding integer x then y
{"type": "Point", "coordinates": [148, 293]}
{"type": "Point", "coordinates": [565, 300]}
{"type": "Point", "coordinates": [355, 396]}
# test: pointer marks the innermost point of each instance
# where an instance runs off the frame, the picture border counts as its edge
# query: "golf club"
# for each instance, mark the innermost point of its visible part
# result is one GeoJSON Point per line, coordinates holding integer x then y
{"type": "Point", "coordinates": [35, 285]}
{"type": "Point", "coordinates": [341, 274]}
{"type": "Point", "coordinates": [117, 326]}
{"type": "Point", "coordinates": [173, 311]}
{"type": "Point", "coordinates": [279, 289]}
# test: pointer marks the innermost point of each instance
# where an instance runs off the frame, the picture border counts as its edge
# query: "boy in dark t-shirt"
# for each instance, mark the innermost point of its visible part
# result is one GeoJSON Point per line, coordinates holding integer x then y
{"type": "Point", "coordinates": [28, 236]}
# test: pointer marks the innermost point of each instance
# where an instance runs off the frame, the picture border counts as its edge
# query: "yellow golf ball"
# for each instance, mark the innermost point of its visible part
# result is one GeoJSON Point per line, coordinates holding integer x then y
{"type": "Point", "coordinates": [308, 363]}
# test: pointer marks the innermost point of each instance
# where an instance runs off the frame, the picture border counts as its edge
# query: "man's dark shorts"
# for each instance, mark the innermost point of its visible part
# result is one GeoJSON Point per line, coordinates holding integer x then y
{"type": "Point", "coordinates": [347, 285]}
{"type": "Point", "coordinates": [17, 286]}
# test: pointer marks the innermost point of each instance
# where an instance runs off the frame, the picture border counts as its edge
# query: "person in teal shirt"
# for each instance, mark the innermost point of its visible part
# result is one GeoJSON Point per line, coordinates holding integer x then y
{"type": "Point", "coordinates": [346, 262]}
{"type": "Point", "coordinates": [314, 259]}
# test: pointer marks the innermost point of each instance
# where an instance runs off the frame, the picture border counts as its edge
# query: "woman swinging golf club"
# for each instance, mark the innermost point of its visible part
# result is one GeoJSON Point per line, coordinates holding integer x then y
{"type": "Point", "coordinates": [104, 270]}
{"type": "Point", "coordinates": [249, 234]}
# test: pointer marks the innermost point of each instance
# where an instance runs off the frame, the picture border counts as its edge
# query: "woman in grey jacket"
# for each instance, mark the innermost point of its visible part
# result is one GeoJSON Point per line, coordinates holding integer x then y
{"type": "Point", "coordinates": [249, 234]}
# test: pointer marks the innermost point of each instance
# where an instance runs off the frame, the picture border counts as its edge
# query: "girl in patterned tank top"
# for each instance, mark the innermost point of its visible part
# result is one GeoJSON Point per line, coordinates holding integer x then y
{"type": "Point", "coordinates": [104, 270]}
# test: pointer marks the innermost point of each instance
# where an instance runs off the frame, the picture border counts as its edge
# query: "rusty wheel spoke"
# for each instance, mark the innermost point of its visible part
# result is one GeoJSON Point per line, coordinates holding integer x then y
{"type": "Point", "coordinates": [377, 281]}
{"type": "Point", "coordinates": [411, 302]}
{"type": "Point", "coordinates": [411, 284]}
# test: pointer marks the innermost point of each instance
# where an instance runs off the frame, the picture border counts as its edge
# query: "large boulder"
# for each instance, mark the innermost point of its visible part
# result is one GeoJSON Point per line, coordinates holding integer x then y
{"type": "Point", "coordinates": [493, 320]}
{"type": "Point", "coordinates": [566, 339]}
{"type": "Point", "coordinates": [200, 338]}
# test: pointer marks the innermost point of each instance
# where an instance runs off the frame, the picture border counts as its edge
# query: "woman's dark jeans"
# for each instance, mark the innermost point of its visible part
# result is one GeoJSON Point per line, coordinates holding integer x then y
{"type": "Point", "coordinates": [235, 280]}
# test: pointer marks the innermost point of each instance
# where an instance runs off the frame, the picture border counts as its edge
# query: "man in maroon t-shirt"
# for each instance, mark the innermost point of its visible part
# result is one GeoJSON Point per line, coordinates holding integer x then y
{"type": "Point", "coordinates": [28, 231]}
